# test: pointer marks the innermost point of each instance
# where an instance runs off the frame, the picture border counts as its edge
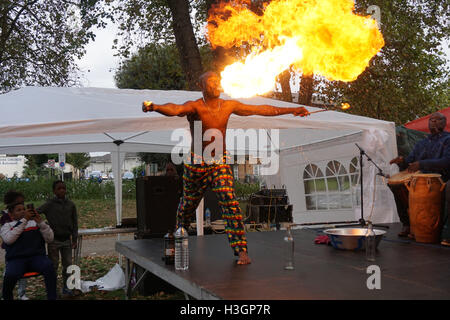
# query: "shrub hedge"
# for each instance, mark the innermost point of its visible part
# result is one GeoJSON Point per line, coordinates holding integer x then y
{"type": "Point", "coordinates": [41, 189]}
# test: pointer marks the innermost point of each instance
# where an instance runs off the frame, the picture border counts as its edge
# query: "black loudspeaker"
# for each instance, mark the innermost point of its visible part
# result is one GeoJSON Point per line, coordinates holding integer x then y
{"type": "Point", "coordinates": [157, 199]}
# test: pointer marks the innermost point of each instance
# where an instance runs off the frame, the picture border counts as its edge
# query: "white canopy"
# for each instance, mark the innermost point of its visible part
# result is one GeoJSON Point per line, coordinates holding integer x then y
{"type": "Point", "coordinates": [53, 119]}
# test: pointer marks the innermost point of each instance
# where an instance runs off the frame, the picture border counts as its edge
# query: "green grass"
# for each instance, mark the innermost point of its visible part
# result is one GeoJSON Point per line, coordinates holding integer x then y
{"type": "Point", "coordinates": [96, 213]}
{"type": "Point", "coordinates": [91, 268]}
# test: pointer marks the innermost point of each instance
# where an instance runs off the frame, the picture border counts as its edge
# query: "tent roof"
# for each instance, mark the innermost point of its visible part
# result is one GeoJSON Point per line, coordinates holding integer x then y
{"type": "Point", "coordinates": [60, 119]}
{"type": "Point", "coordinates": [421, 124]}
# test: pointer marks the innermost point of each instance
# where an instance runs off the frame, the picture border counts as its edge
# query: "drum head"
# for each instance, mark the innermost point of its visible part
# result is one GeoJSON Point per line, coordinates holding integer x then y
{"type": "Point", "coordinates": [401, 177]}
{"type": "Point", "coordinates": [426, 175]}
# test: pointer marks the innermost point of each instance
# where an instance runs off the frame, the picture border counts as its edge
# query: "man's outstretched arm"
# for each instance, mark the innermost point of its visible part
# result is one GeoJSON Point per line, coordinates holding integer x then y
{"type": "Point", "coordinates": [169, 109]}
{"type": "Point", "coordinates": [266, 110]}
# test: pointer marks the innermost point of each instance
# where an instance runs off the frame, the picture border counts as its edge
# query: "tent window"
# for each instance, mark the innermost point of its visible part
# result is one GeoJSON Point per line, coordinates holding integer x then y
{"type": "Point", "coordinates": [315, 188]}
{"type": "Point", "coordinates": [333, 190]}
{"type": "Point", "coordinates": [338, 183]}
{"type": "Point", "coordinates": [354, 171]}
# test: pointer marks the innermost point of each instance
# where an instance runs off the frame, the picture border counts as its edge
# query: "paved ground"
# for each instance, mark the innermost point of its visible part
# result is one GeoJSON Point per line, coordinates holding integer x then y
{"type": "Point", "coordinates": [95, 245]}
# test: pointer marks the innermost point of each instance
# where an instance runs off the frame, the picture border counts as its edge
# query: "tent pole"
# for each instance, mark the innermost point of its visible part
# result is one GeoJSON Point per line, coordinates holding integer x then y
{"type": "Point", "coordinates": [118, 183]}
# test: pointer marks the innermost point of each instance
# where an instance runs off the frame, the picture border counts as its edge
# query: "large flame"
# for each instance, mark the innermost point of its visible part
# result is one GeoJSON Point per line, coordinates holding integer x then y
{"type": "Point", "coordinates": [321, 37]}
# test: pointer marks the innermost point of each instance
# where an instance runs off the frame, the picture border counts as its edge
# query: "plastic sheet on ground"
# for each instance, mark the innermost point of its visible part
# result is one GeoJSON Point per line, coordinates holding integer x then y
{"type": "Point", "coordinates": [113, 280]}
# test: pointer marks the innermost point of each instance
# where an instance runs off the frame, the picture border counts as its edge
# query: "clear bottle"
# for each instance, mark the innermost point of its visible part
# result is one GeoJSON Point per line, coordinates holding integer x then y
{"type": "Point", "coordinates": [289, 250]}
{"type": "Point", "coordinates": [370, 242]}
{"type": "Point", "coordinates": [181, 249]}
{"type": "Point", "coordinates": [207, 217]}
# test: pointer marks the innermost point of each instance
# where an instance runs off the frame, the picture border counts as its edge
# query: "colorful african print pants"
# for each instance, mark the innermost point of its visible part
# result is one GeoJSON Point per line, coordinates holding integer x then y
{"type": "Point", "coordinates": [219, 177]}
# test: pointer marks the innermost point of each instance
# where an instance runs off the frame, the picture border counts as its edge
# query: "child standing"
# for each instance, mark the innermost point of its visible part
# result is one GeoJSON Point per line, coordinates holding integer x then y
{"type": "Point", "coordinates": [61, 214]}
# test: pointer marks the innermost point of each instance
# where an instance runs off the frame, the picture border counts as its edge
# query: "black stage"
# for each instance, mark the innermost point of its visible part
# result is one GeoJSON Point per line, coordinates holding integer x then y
{"type": "Point", "coordinates": [409, 270]}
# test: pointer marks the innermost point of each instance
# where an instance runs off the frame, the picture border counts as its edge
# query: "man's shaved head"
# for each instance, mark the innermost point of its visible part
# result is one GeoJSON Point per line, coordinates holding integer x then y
{"type": "Point", "coordinates": [206, 76]}
{"type": "Point", "coordinates": [210, 85]}
{"type": "Point", "coordinates": [437, 122]}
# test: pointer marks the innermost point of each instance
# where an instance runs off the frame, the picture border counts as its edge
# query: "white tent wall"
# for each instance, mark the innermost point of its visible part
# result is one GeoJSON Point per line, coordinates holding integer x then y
{"type": "Point", "coordinates": [294, 160]}
{"type": "Point", "coordinates": [293, 164]}
{"type": "Point", "coordinates": [51, 119]}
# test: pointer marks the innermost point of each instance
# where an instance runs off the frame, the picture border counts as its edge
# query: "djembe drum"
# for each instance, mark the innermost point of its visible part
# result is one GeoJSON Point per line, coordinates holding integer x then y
{"type": "Point", "coordinates": [425, 204]}
{"type": "Point", "coordinates": [401, 195]}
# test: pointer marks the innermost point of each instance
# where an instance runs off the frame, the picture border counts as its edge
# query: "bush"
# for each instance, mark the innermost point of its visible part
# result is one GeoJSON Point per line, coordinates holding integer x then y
{"type": "Point", "coordinates": [41, 189]}
{"type": "Point", "coordinates": [244, 190]}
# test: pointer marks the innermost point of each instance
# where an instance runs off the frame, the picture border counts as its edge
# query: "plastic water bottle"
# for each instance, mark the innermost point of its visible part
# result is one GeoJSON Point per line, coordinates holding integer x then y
{"type": "Point", "coordinates": [181, 249]}
{"type": "Point", "coordinates": [370, 243]}
{"type": "Point", "coordinates": [208, 217]}
{"type": "Point", "coordinates": [289, 250]}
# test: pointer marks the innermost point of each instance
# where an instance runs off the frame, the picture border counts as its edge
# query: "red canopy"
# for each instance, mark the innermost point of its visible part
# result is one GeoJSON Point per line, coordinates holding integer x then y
{"type": "Point", "coordinates": [421, 124]}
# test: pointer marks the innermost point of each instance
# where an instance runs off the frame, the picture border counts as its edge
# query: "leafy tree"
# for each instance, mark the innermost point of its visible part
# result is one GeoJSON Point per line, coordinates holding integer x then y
{"type": "Point", "coordinates": [156, 21]}
{"type": "Point", "coordinates": [79, 161]}
{"type": "Point", "coordinates": [153, 67]}
{"type": "Point", "coordinates": [159, 158]}
{"type": "Point", "coordinates": [156, 66]}
{"type": "Point", "coordinates": [39, 40]}
{"type": "Point", "coordinates": [409, 78]}
{"type": "Point", "coordinates": [34, 165]}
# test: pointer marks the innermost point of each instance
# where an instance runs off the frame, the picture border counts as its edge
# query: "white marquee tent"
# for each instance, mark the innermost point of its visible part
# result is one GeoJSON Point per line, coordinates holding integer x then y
{"type": "Point", "coordinates": [50, 120]}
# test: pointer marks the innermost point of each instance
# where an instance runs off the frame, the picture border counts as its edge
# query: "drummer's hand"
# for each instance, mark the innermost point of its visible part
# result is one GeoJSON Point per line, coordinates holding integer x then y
{"type": "Point", "coordinates": [413, 166]}
{"type": "Point", "coordinates": [397, 160]}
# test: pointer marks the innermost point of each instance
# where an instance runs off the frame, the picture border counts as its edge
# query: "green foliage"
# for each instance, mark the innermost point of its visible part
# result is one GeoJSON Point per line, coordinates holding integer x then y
{"type": "Point", "coordinates": [409, 78]}
{"type": "Point", "coordinates": [137, 171]}
{"type": "Point", "coordinates": [78, 160]}
{"type": "Point", "coordinates": [160, 159]}
{"type": "Point", "coordinates": [34, 165]}
{"type": "Point", "coordinates": [244, 190]}
{"type": "Point", "coordinates": [151, 21]}
{"type": "Point", "coordinates": [41, 189]}
{"type": "Point", "coordinates": [40, 39]}
{"type": "Point", "coordinates": [140, 19]}
{"type": "Point", "coordinates": [155, 66]}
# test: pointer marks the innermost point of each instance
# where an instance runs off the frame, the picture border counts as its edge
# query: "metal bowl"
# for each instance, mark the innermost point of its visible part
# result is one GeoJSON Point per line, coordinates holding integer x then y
{"type": "Point", "coordinates": [351, 238]}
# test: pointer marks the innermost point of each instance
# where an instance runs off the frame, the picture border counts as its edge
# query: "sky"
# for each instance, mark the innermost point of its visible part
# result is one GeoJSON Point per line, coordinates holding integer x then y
{"type": "Point", "coordinates": [99, 64]}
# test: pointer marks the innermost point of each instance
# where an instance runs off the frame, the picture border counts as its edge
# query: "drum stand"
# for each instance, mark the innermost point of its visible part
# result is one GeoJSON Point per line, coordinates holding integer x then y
{"type": "Point", "coordinates": [362, 153]}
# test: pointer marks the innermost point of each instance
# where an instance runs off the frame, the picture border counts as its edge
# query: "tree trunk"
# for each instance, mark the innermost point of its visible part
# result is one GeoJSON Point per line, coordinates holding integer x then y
{"type": "Point", "coordinates": [306, 90]}
{"type": "Point", "coordinates": [191, 61]}
{"type": "Point", "coordinates": [284, 79]}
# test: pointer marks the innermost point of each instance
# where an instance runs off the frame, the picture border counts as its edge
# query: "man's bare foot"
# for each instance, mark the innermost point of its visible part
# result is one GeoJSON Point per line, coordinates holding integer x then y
{"type": "Point", "coordinates": [244, 258]}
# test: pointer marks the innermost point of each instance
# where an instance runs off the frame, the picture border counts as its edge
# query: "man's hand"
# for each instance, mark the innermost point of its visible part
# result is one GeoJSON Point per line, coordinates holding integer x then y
{"type": "Point", "coordinates": [397, 160]}
{"type": "Point", "coordinates": [74, 244]}
{"type": "Point", "coordinates": [300, 111]}
{"type": "Point", "coordinates": [147, 106]}
{"type": "Point", "coordinates": [414, 166]}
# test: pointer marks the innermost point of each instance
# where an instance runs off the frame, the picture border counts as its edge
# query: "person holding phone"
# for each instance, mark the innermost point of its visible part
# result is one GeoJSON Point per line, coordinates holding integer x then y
{"type": "Point", "coordinates": [24, 238]}
{"type": "Point", "coordinates": [10, 197]}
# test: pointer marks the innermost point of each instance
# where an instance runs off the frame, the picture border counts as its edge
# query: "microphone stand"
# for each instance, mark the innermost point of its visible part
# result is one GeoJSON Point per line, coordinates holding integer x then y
{"type": "Point", "coordinates": [362, 153]}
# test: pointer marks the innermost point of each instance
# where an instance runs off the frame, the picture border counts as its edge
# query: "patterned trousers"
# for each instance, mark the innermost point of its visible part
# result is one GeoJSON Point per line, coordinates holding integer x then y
{"type": "Point", "coordinates": [219, 177]}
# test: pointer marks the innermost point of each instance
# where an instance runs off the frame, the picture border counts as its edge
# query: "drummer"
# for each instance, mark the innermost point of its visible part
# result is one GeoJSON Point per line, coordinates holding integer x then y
{"type": "Point", "coordinates": [430, 155]}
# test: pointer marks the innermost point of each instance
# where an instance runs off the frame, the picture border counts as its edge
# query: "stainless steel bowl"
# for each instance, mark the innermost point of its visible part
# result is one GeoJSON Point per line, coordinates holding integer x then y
{"type": "Point", "coordinates": [351, 238]}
